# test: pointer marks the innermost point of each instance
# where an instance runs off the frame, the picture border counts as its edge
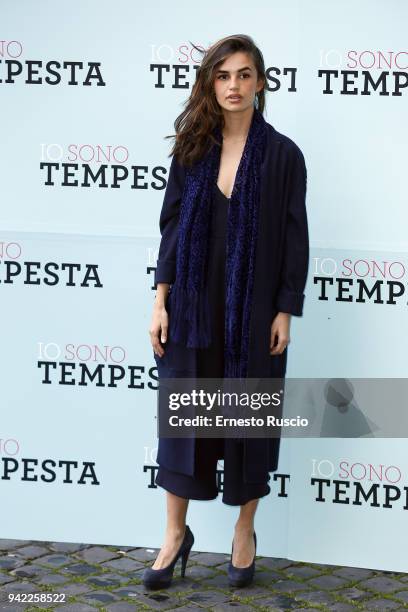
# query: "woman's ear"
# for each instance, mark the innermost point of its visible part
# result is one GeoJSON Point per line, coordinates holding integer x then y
{"type": "Point", "coordinates": [260, 84]}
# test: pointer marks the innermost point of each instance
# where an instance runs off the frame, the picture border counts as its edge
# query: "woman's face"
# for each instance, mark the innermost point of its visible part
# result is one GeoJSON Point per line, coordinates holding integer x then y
{"type": "Point", "coordinates": [236, 82]}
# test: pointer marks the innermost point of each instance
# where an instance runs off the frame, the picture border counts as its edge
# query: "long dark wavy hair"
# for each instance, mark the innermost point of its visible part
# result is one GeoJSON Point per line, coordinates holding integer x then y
{"type": "Point", "coordinates": [202, 113]}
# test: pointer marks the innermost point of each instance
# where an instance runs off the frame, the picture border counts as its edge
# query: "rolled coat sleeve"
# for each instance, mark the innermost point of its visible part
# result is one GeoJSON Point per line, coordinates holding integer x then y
{"type": "Point", "coordinates": [168, 223]}
{"type": "Point", "coordinates": [295, 260]}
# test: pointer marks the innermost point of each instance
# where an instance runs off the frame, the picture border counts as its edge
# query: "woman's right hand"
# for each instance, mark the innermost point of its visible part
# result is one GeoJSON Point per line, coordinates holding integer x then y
{"type": "Point", "coordinates": [158, 328]}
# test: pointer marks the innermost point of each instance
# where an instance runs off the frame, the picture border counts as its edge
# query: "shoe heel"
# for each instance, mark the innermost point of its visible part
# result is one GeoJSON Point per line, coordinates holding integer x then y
{"type": "Point", "coordinates": [162, 578]}
{"type": "Point", "coordinates": [184, 559]}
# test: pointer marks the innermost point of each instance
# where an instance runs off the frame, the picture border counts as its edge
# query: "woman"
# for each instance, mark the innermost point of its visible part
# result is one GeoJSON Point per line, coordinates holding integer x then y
{"type": "Point", "coordinates": [231, 271]}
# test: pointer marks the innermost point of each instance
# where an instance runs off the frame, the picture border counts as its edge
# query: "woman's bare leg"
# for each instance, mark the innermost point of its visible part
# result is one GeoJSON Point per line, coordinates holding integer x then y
{"type": "Point", "coordinates": [244, 545]}
{"type": "Point", "coordinates": [175, 528]}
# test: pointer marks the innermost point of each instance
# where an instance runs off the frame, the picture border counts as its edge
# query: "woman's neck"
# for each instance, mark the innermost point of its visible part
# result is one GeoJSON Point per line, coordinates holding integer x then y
{"type": "Point", "coordinates": [237, 125]}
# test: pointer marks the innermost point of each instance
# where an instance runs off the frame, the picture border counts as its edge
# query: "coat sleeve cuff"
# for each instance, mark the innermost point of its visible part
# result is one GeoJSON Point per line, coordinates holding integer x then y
{"type": "Point", "coordinates": [165, 271]}
{"type": "Point", "coordinates": [290, 301]}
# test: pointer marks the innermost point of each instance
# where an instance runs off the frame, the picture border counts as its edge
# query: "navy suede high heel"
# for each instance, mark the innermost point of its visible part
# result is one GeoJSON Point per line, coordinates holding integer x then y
{"type": "Point", "coordinates": [161, 578]}
{"type": "Point", "coordinates": [241, 576]}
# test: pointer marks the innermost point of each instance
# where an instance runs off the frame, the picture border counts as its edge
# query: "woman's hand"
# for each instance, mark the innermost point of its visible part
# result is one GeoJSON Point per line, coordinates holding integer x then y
{"type": "Point", "coordinates": [280, 333]}
{"type": "Point", "coordinates": [158, 328]}
{"type": "Point", "coordinates": [160, 321]}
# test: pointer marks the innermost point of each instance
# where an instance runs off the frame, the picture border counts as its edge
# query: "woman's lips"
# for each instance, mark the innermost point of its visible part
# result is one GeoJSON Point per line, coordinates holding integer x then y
{"type": "Point", "coordinates": [234, 98]}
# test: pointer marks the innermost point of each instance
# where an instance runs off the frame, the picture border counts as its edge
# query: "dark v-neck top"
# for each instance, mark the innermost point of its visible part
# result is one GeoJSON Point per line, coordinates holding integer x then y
{"type": "Point", "coordinates": [210, 361]}
{"type": "Point", "coordinates": [219, 216]}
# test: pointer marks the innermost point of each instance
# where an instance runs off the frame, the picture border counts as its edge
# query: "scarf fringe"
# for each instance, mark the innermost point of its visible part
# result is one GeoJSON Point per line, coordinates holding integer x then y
{"type": "Point", "coordinates": [190, 322]}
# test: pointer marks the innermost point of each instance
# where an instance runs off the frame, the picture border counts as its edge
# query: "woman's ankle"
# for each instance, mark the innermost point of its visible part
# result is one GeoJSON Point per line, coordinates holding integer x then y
{"type": "Point", "coordinates": [244, 527]}
{"type": "Point", "coordinates": [175, 531]}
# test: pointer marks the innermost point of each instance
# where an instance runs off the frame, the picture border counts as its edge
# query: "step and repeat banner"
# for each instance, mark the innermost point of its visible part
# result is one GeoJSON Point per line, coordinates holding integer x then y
{"type": "Point", "coordinates": [88, 93]}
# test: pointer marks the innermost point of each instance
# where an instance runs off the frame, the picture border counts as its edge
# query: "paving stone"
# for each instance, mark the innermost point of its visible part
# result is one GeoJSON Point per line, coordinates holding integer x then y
{"type": "Point", "coordinates": [392, 574]}
{"type": "Point", "coordinates": [210, 558]}
{"type": "Point", "coordinates": [381, 584]}
{"type": "Point", "coordinates": [107, 580]}
{"type": "Point", "coordinates": [199, 572]}
{"type": "Point", "coordinates": [302, 571]}
{"type": "Point", "coordinates": [75, 607]}
{"type": "Point", "coordinates": [122, 606]}
{"type": "Point", "coordinates": [219, 568]}
{"type": "Point", "coordinates": [188, 607]}
{"type": "Point", "coordinates": [260, 586]}
{"type": "Point", "coordinates": [308, 610]}
{"type": "Point", "coordinates": [29, 571]}
{"type": "Point", "coordinates": [95, 597]}
{"type": "Point", "coordinates": [137, 590]}
{"type": "Point", "coordinates": [132, 590]}
{"type": "Point", "coordinates": [9, 544]}
{"type": "Point", "coordinates": [402, 595]}
{"type": "Point", "coordinates": [74, 588]}
{"type": "Point", "coordinates": [353, 573]}
{"type": "Point", "coordinates": [136, 574]}
{"type": "Point", "coordinates": [52, 579]}
{"type": "Point", "coordinates": [96, 554]}
{"type": "Point", "coordinates": [353, 593]}
{"type": "Point", "coordinates": [55, 560]}
{"type": "Point", "coordinates": [179, 585]}
{"type": "Point", "coordinates": [253, 590]}
{"type": "Point", "coordinates": [269, 579]}
{"type": "Point", "coordinates": [328, 581]}
{"type": "Point", "coordinates": [68, 547]}
{"type": "Point", "coordinates": [381, 604]}
{"type": "Point", "coordinates": [321, 566]}
{"type": "Point", "coordinates": [9, 562]}
{"type": "Point", "coordinates": [158, 600]}
{"type": "Point", "coordinates": [145, 554]}
{"type": "Point", "coordinates": [123, 565]}
{"type": "Point", "coordinates": [273, 563]}
{"type": "Point", "coordinates": [218, 581]}
{"type": "Point", "coordinates": [277, 602]}
{"type": "Point", "coordinates": [288, 586]}
{"type": "Point", "coordinates": [231, 605]}
{"type": "Point", "coordinates": [34, 605]}
{"type": "Point", "coordinates": [32, 551]}
{"type": "Point", "coordinates": [338, 606]}
{"type": "Point", "coordinates": [207, 598]}
{"type": "Point", "coordinates": [79, 569]}
{"type": "Point", "coordinates": [6, 578]}
{"type": "Point", "coordinates": [315, 597]}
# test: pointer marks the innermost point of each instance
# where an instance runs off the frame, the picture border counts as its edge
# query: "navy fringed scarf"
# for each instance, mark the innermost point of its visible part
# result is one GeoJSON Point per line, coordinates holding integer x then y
{"type": "Point", "coordinates": [190, 322]}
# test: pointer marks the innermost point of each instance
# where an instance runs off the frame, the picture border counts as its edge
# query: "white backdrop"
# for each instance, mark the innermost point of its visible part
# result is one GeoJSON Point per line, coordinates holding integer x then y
{"type": "Point", "coordinates": [78, 401]}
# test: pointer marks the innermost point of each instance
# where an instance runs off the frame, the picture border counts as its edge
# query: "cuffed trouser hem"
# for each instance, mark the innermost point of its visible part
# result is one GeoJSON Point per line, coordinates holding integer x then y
{"type": "Point", "coordinates": [185, 486]}
{"type": "Point", "coordinates": [234, 493]}
{"type": "Point", "coordinates": [241, 496]}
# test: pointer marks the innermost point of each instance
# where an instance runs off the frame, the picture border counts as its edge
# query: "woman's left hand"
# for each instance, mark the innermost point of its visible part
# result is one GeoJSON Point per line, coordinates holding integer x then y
{"type": "Point", "coordinates": [280, 333]}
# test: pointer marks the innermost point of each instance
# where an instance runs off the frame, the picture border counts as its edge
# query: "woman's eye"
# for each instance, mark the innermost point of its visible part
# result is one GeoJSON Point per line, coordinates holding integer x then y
{"type": "Point", "coordinates": [224, 76]}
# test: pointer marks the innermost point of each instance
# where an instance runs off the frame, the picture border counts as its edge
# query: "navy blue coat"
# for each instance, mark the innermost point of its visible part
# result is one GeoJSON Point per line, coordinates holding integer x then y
{"type": "Point", "coordinates": [282, 259]}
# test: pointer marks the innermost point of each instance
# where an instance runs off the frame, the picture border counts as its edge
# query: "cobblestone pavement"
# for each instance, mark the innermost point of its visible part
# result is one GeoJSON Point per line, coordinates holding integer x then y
{"type": "Point", "coordinates": [108, 578]}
